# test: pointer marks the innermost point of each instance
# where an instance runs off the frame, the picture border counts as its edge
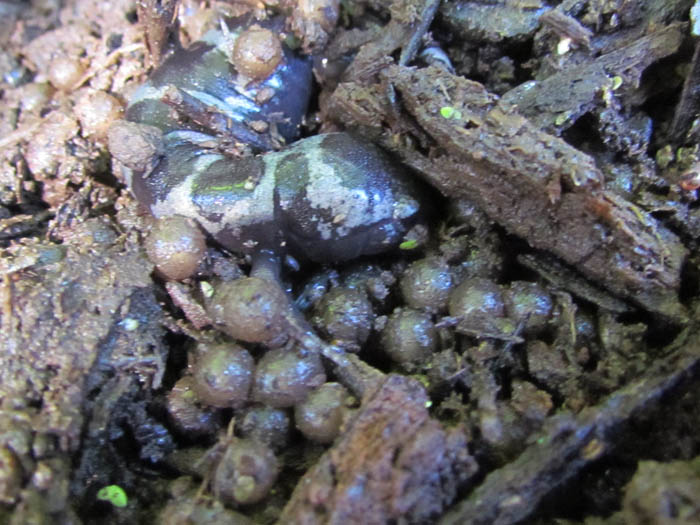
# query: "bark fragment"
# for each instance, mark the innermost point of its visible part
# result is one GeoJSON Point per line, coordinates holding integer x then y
{"type": "Point", "coordinates": [684, 126]}
{"type": "Point", "coordinates": [555, 103]}
{"type": "Point", "coordinates": [532, 183]}
{"type": "Point", "coordinates": [65, 322]}
{"type": "Point", "coordinates": [393, 462]}
{"type": "Point", "coordinates": [160, 26]}
{"type": "Point", "coordinates": [493, 22]}
{"type": "Point", "coordinates": [511, 493]}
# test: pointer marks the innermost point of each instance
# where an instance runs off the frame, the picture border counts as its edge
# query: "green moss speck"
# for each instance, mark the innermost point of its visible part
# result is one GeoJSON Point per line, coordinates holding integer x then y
{"type": "Point", "coordinates": [447, 111]}
{"type": "Point", "coordinates": [114, 494]}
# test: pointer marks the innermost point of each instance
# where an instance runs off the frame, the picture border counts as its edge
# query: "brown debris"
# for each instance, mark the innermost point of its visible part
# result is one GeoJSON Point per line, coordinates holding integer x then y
{"type": "Point", "coordinates": [160, 26]}
{"type": "Point", "coordinates": [567, 27]}
{"type": "Point", "coordinates": [492, 22]}
{"type": "Point", "coordinates": [137, 146]}
{"type": "Point", "coordinates": [663, 493]}
{"type": "Point", "coordinates": [64, 317]}
{"type": "Point", "coordinates": [50, 144]}
{"type": "Point", "coordinates": [569, 444]}
{"type": "Point", "coordinates": [313, 21]}
{"type": "Point", "coordinates": [532, 183]}
{"type": "Point", "coordinates": [398, 33]}
{"type": "Point", "coordinates": [393, 462]}
{"type": "Point", "coordinates": [563, 278]}
{"type": "Point", "coordinates": [83, 331]}
{"type": "Point", "coordinates": [555, 103]}
{"type": "Point", "coordinates": [684, 125]}
{"type": "Point", "coordinates": [194, 312]}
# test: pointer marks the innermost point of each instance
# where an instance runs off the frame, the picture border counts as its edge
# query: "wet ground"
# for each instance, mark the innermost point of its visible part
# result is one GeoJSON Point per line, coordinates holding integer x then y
{"type": "Point", "coordinates": [539, 339]}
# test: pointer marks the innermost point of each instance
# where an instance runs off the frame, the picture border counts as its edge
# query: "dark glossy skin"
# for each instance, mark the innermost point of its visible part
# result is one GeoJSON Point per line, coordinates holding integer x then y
{"type": "Point", "coordinates": [203, 71]}
{"type": "Point", "coordinates": [338, 197]}
{"type": "Point", "coordinates": [326, 198]}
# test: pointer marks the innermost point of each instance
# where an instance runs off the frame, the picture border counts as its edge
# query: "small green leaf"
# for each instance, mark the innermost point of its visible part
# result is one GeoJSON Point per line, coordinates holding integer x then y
{"type": "Point", "coordinates": [207, 289]}
{"type": "Point", "coordinates": [616, 82]}
{"type": "Point", "coordinates": [408, 245]}
{"type": "Point", "coordinates": [561, 118]}
{"type": "Point", "coordinates": [114, 494]}
{"type": "Point", "coordinates": [447, 111]}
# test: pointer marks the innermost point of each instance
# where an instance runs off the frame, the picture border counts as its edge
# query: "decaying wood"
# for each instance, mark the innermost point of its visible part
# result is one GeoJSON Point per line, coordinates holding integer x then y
{"type": "Point", "coordinates": [567, 27]}
{"type": "Point", "coordinates": [392, 463]}
{"type": "Point", "coordinates": [409, 22]}
{"type": "Point", "coordinates": [512, 493]}
{"type": "Point", "coordinates": [563, 278]}
{"type": "Point", "coordinates": [193, 311]}
{"type": "Point", "coordinates": [159, 21]}
{"type": "Point", "coordinates": [424, 20]}
{"type": "Point", "coordinates": [492, 21]}
{"type": "Point", "coordinates": [535, 185]}
{"type": "Point", "coordinates": [555, 103]}
{"type": "Point", "coordinates": [686, 114]}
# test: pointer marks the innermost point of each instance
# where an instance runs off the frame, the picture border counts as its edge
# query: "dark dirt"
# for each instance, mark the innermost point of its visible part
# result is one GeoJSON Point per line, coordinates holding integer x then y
{"type": "Point", "coordinates": [560, 140]}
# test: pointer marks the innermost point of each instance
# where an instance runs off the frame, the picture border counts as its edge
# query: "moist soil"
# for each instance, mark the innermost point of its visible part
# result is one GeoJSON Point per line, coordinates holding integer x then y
{"type": "Point", "coordinates": [557, 143]}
